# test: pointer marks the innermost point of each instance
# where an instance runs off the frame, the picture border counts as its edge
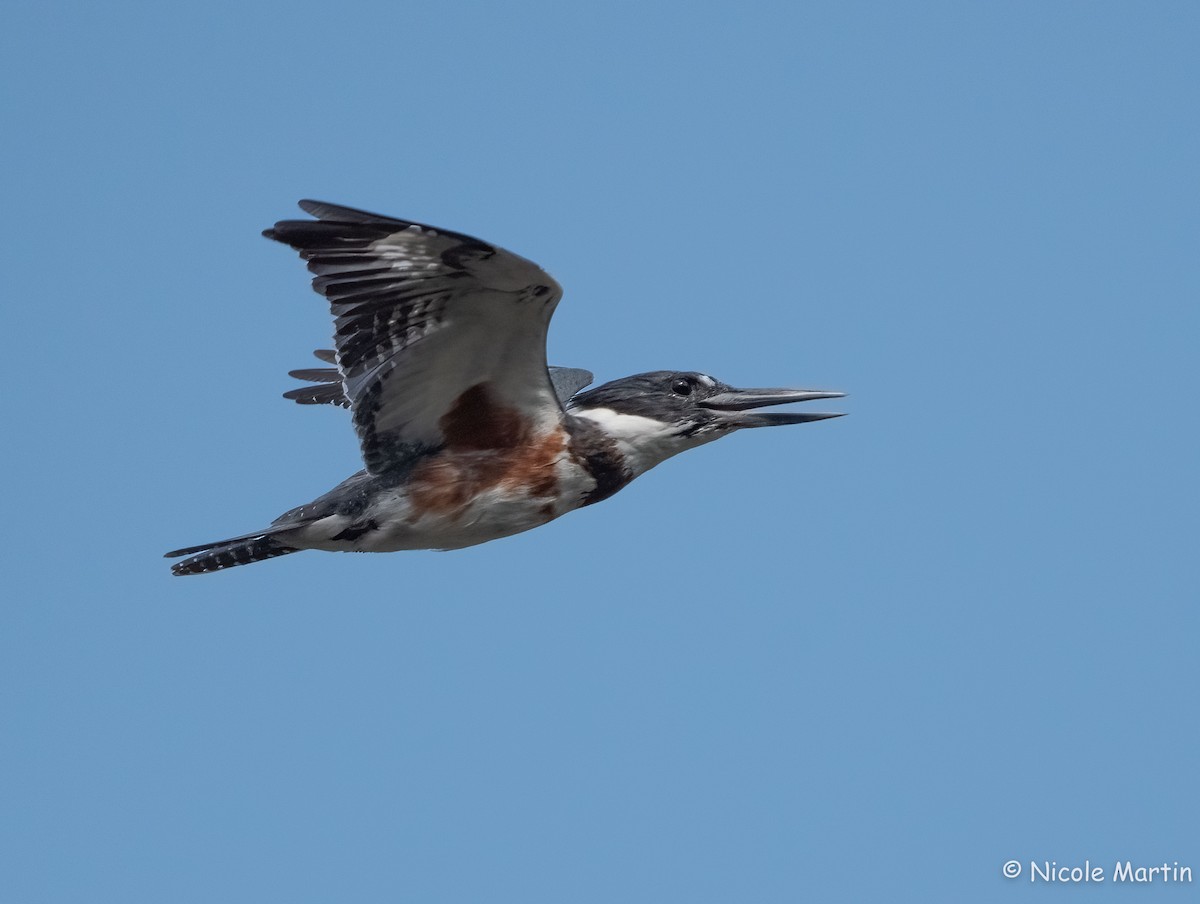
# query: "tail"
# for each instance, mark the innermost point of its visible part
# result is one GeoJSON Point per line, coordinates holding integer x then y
{"type": "Point", "coordinates": [228, 553]}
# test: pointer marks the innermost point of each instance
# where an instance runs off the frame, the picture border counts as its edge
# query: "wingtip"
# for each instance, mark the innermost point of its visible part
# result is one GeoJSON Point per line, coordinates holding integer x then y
{"type": "Point", "coordinates": [310, 207]}
{"type": "Point", "coordinates": [326, 210]}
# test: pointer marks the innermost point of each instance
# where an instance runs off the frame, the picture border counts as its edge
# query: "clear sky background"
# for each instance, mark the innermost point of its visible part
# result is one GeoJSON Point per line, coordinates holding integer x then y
{"type": "Point", "coordinates": [867, 659]}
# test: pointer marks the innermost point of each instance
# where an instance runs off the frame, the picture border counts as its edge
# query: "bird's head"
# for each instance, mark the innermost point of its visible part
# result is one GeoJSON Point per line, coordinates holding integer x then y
{"type": "Point", "coordinates": [655, 415]}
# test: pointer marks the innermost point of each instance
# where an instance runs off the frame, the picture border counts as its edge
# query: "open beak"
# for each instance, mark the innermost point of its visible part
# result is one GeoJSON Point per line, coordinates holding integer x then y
{"type": "Point", "coordinates": [735, 405]}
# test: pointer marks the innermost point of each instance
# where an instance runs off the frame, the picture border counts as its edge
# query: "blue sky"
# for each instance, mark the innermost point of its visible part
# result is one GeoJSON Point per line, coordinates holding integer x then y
{"type": "Point", "coordinates": [867, 659]}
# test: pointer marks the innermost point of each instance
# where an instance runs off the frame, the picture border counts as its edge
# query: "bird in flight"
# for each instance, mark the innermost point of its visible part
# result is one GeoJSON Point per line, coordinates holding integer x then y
{"type": "Point", "coordinates": [466, 434]}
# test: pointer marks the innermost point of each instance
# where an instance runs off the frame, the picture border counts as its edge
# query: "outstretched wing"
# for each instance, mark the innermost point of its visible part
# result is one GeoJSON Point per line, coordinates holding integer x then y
{"type": "Point", "coordinates": [441, 338]}
{"type": "Point", "coordinates": [566, 382]}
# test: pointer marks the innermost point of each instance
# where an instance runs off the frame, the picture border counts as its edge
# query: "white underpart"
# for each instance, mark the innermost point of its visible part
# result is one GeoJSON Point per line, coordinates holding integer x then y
{"type": "Point", "coordinates": [494, 513]}
{"type": "Point", "coordinates": [643, 441]}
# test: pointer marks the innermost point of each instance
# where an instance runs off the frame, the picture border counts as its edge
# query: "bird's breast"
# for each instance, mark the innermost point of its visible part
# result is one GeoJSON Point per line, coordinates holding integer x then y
{"type": "Point", "coordinates": [458, 498]}
{"type": "Point", "coordinates": [462, 496]}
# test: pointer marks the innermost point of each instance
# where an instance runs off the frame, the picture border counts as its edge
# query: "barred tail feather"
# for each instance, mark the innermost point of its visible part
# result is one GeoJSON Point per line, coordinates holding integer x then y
{"type": "Point", "coordinates": [241, 551]}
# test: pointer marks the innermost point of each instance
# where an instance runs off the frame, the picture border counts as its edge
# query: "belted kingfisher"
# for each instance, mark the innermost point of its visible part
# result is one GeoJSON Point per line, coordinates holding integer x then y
{"type": "Point", "coordinates": [467, 435]}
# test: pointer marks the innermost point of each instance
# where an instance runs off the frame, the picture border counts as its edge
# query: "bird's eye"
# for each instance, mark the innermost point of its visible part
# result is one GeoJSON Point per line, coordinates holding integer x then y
{"type": "Point", "coordinates": [682, 387]}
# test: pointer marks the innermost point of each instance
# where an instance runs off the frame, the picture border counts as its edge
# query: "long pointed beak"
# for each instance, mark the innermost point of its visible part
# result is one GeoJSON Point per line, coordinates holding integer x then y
{"type": "Point", "coordinates": [737, 401]}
